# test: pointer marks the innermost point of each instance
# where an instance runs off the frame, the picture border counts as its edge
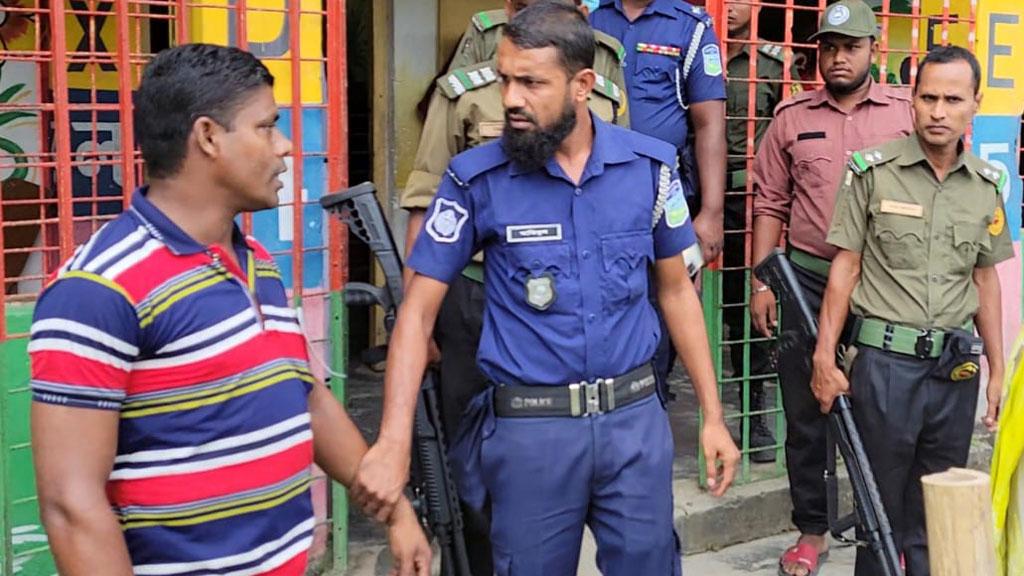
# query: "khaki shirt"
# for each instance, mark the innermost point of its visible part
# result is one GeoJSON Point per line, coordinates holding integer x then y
{"type": "Point", "coordinates": [920, 239]}
{"type": "Point", "coordinates": [466, 110]}
{"type": "Point", "coordinates": [767, 95]}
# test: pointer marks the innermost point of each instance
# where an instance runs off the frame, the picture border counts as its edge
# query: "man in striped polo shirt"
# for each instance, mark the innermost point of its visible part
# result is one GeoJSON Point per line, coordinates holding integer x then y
{"type": "Point", "coordinates": [176, 419]}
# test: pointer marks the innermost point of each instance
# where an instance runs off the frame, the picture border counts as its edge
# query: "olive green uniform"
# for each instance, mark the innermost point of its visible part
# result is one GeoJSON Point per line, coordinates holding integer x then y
{"type": "Point", "coordinates": [767, 94]}
{"type": "Point", "coordinates": [914, 379]}
{"type": "Point", "coordinates": [466, 110]}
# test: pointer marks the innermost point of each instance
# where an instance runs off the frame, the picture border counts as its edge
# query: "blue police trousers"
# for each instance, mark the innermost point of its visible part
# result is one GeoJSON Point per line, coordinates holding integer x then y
{"type": "Point", "coordinates": [544, 478]}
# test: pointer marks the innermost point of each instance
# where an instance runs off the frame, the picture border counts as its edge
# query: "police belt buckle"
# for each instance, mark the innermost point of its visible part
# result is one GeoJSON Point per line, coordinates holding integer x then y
{"type": "Point", "coordinates": [585, 397]}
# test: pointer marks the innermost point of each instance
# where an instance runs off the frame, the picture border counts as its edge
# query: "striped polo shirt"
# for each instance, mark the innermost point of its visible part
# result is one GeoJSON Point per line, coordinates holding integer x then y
{"type": "Point", "coordinates": [206, 364]}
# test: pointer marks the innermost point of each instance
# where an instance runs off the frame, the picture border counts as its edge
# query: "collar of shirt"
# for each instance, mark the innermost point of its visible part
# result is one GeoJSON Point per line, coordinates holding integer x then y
{"type": "Point", "coordinates": [876, 95]}
{"type": "Point", "coordinates": [604, 150]}
{"type": "Point", "coordinates": [663, 7]}
{"type": "Point", "coordinates": [169, 233]}
{"type": "Point", "coordinates": [913, 153]}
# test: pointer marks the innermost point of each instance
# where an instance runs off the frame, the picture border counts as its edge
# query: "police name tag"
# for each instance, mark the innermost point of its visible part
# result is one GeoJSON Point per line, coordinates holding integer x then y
{"type": "Point", "coordinates": [491, 129]}
{"type": "Point", "coordinates": [901, 208]}
{"type": "Point", "coordinates": [540, 291]}
{"type": "Point", "coordinates": [533, 233]}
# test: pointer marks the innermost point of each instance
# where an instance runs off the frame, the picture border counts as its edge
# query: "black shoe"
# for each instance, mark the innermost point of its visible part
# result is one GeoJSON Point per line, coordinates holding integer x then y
{"type": "Point", "coordinates": [762, 442]}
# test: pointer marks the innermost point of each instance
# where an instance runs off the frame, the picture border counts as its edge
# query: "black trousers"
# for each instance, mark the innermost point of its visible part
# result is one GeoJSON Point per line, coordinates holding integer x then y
{"type": "Point", "coordinates": [914, 421]}
{"type": "Point", "coordinates": [457, 333]}
{"type": "Point", "coordinates": [734, 291]}
{"type": "Point", "coordinates": [806, 426]}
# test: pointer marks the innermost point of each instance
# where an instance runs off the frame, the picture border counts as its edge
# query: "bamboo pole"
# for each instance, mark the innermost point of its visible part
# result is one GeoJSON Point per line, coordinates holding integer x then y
{"type": "Point", "coordinates": [958, 508]}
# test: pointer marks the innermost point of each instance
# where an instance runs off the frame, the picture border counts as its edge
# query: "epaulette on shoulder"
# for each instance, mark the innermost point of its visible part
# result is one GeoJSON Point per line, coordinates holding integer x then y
{"type": "Point", "coordinates": [997, 176]}
{"type": "Point", "coordinates": [607, 88]}
{"type": "Point", "coordinates": [794, 100]}
{"type": "Point", "coordinates": [650, 147]}
{"type": "Point", "coordinates": [773, 51]}
{"type": "Point", "coordinates": [476, 161]}
{"type": "Point", "coordinates": [488, 19]}
{"type": "Point", "coordinates": [611, 43]}
{"type": "Point", "coordinates": [897, 92]}
{"type": "Point", "coordinates": [695, 12]}
{"type": "Point", "coordinates": [864, 160]}
{"type": "Point", "coordinates": [462, 80]}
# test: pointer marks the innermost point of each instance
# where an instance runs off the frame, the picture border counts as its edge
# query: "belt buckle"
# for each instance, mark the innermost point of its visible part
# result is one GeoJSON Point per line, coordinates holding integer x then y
{"type": "Point", "coordinates": [575, 406]}
{"type": "Point", "coordinates": [924, 345]}
{"type": "Point", "coordinates": [592, 392]}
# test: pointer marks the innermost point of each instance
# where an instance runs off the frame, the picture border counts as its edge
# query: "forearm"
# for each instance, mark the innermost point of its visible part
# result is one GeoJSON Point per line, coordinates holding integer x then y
{"type": "Point", "coordinates": [711, 153]}
{"type": "Point", "coordinates": [766, 235]}
{"type": "Point", "coordinates": [412, 231]}
{"type": "Point", "coordinates": [337, 444]}
{"type": "Point", "coordinates": [835, 306]}
{"type": "Point", "coordinates": [407, 359]}
{"type": "Point", "coordinates": [989, 317]}
{"type": "Point", "coordinates": [685, 321]}
{"type": "Point", "coordinates": [85, 536]}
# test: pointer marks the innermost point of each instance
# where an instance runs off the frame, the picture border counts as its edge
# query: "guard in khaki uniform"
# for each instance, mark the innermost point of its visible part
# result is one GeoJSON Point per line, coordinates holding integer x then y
{"type": "Point", "coordinates": [466, 111]}
{"type": "Point", "coordinates": [920, 225]}
{"type": "Point", "coordinates": [767, 67]}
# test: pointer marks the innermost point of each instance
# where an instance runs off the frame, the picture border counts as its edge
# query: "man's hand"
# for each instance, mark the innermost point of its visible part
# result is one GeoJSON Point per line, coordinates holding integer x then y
{"type": "Point", "coordinates": [409, 546]}
{"type": "Point", "coordinates": [380, 480]}
{"type": "Point", "coordinates": [763, 312]}
{"type": "Point", "coordinates": [710, 233]}
{"type": "Point", "coordinates": [994, 395]}
{"type": "Point", "coordinates": [828, 382]}
{"type": "Point", "coordinates": [720, 454]}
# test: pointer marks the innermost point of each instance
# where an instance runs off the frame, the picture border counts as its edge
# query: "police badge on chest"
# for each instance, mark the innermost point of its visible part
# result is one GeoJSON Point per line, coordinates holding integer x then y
{"type": "Point", "coordinates": [540, 291]}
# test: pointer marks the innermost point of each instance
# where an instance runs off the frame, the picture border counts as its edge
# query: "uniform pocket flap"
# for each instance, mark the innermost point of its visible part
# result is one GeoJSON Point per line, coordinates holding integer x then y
{"type": "Point", "coordinates": [626, 251]}
{"type": "Point", "coordinates": [536, 259]}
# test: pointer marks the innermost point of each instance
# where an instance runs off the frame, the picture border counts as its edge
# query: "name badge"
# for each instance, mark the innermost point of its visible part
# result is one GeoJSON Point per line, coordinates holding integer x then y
{"type": "Point", "coordinates": [491, 129]}
{"type": "Point", "coordinates": [533, 233]}
{"type": "Point", "coordinates": [902, 208]}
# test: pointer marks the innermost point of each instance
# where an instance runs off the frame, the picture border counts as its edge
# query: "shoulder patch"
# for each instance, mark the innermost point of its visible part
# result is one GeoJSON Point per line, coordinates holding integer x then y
{"type": "Point", "coordinates": [607, 88]}
{"type": "Point", "coordinates": [476, 161]}
{"type": "Point", "coordinates": [609, 41]}
{"type": "Point", "coordinates": [462, 80]}
{"type": "Point", "coordinates": [488, 19]}
{"type": "Point", "coordinates": [773, 51]}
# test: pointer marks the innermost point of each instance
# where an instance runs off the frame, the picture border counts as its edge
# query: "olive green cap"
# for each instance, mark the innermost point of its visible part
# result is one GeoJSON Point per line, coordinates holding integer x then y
{"type": "Point", "coordinates": [851, 18]}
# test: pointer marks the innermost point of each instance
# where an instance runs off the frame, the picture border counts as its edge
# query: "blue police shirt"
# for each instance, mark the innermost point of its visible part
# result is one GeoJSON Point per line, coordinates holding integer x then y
{"type": "Point", "coordinates": [657, 44]}
{"type": "Point", "coordinates": [566, 266]}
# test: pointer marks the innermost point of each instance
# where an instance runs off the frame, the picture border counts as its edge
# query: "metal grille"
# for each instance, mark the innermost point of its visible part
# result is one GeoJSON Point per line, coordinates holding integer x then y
{"type": "Point", "coordinates": [909, 28]}
{"type": "Point", "coordinates": [68, 163]}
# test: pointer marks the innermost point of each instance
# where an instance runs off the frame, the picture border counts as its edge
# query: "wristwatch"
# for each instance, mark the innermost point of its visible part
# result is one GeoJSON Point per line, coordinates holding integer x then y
{"type": "Point", "coordinates": [761, 288]}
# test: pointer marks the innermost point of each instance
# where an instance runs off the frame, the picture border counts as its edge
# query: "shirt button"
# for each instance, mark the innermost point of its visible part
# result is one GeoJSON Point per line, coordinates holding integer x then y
{"type": "Point", "coordinates": [591, 318]}
{"type": "Point", "coordinates": [578, 191]}
{"type": "Point", "coordinates": [586, 254]}
{"type": "Point", "coordinates": [848, 153]}
{"type": "Point", "coordinates": [536, 263]}
{"type": "Point", "coordinates": [849, 118]}
{"type": "Point", "coordinates": [936, 278]}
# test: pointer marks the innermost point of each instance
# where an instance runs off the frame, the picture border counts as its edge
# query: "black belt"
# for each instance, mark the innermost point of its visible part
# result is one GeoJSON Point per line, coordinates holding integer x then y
{"type": "Point", "coordinates": [576, 400]}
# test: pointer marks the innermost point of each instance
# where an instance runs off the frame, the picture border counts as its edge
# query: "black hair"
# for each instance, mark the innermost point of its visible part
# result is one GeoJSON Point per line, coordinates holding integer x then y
{"type": "Point", "coordinates": [185, 83]}
{"type": "Point", "coordinates": [557, 24]}
{"type": "Point", "coordinates": [948, 54]}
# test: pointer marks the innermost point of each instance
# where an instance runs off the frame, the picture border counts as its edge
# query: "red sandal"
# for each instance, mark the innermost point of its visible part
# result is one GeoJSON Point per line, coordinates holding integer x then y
{"type": "Point", "coordinates": [804, 554]}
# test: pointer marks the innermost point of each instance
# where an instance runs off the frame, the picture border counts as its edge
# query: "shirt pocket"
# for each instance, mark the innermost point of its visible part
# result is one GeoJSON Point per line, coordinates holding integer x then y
{"type": "Point", "coordinates": [625, 257]}
{"type": "Point", "coordinates": [655, 78]}
{"type": "Point", "coordinates": [812, 166]}
{"type": "Point", "coordinates": [969, 239]}
{"type": "Point", "coordinates": [901, 240]}
{"type": "Point", "coordinates": [537, 260]}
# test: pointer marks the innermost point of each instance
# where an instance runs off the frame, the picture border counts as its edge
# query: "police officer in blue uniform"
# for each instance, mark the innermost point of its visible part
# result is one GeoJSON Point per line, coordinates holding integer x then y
{"type": "Point", "coordinates": [571, 213]}
{"type": "Point", "coordinates": [675, 83]}
{"type": "Point", "coordinates": [676, 89]}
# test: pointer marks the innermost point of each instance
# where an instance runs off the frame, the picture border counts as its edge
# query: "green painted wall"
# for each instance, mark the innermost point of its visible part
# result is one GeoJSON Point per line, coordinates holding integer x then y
{"type": "Point", "coordinates": [24, 551]}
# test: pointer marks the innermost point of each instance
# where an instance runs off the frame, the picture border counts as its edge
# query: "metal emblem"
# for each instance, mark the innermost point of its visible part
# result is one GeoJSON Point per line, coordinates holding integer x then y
{"type": "Point", "coordinates": [540, 291]}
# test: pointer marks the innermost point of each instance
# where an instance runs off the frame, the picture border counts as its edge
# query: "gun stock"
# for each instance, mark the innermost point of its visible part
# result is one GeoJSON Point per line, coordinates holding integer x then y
{"type": "Point", "coordinates": [869, 512]}
{"type": "Point", "coordinates": [434, 494]}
